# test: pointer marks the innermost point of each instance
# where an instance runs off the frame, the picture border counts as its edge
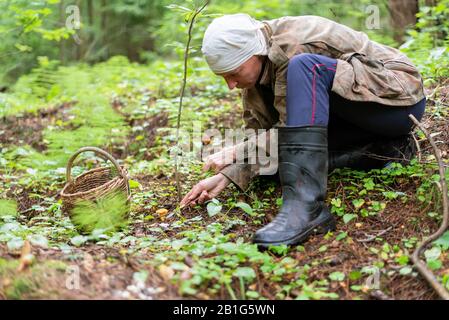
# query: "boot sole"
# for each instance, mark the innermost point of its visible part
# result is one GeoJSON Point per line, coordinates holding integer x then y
{"type": "Point", "coordinates": [320, 228]}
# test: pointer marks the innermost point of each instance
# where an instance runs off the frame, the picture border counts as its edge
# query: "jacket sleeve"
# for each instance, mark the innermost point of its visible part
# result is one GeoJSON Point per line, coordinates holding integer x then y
{"type": "Point", "coordinates": [256, 116]}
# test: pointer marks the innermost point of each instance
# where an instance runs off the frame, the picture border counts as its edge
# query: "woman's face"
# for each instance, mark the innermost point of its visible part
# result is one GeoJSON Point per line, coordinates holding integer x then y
{"type": "Point", "coordinates": [246, 75]}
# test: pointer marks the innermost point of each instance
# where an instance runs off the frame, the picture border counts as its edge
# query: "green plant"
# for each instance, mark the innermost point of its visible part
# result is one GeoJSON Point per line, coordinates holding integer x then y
{"type": "Point", "coordinates": [8, 208]}
{"type": "Point", "coordinates": [108, 213]}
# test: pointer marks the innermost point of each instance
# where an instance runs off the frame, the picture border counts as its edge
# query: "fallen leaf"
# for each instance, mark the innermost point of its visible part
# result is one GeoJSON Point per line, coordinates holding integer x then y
{"type": "Point", "coordinates": [202, 296]}
{"type": "Point", "coordinates": [166, 272]}
{"type": "Point", "coordinates": [26, 258]}
{"type": "Point", "coordinates": [365, 289]}
{"type": "Point", "coordinates": [162, 213]}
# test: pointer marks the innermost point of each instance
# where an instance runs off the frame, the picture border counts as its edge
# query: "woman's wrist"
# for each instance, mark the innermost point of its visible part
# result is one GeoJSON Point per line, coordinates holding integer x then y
{"type": "Point", "coordinates": [226, 180]}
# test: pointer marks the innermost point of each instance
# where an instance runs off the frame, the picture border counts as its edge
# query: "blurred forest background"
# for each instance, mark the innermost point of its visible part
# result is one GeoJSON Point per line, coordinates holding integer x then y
{"type": "Point", "coordinates": [145, 29]}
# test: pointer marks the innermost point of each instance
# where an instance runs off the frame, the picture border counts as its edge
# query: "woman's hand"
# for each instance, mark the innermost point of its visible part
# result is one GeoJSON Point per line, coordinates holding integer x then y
{"type": "Point", "coordinates": [219, 160]}
{"type": "Point", "coordinates": [205, 190]}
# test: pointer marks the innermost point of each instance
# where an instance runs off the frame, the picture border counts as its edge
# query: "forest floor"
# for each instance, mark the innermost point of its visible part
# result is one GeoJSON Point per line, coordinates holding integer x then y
{"type": "Point", "coordinates": [207, 254]}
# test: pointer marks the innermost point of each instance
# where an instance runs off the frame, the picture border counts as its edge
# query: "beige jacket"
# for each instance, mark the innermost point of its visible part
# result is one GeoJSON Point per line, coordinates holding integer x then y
{"type": "Point", "coordinates": [366, 71]}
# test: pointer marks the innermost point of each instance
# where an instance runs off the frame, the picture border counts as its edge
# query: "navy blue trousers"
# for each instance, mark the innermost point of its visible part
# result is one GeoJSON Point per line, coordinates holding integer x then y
{"type": "Point", "coordinates": [310, 101]}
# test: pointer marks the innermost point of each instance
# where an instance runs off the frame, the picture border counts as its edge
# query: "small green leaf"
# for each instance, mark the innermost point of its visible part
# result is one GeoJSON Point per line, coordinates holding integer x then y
{"type": "Point", "coordinates": [369, 184]}
{"type": "Point", "coordinates": [348, 217]}
{"type": "Point", "coordinates": [341, 236]}
{"type": "Point", "coordinates": [38, 240]}
{"type": "Point", "coordinates": [443, 241]}
{"type": "Point", "coordinates": [356, 288]}
{"type": "Point", "coordinates": [432, 254]}
{"type": "Point", "coordinates": [179, 266]}
{"type": "Point", "coordinates": [355, 275]}
{"type": "Point", "coordinates": [15, 244]}
{"type": "Point", "coordinates": [245, 207]}
{"type": "Point", "coordinates": [140, 276]}
{"type": "Point", "coordinates": [336, 202]}
{"type": "Point", "coordinates": [134, 184]}
{"type": "Point", "coordinates": [337, 276]}
{"type": "Point", "coordinates": [279, 249]}
{"type": "Point", "coordinates": [252, 294]}
{"type": "Point", "coordinates": [405, 270]}
{"type": "Point", "coordinates": [244, 272]}
{"type": "Point", "coordinates": [8, 208]}
{"type": "Point", "coordinates": [434, 264]}
{"type": "Point", "coordinates": [402, 260]}
{"type": "Point", "coordinates": [358, 203]}
{"type": "Point", "coordinates": [213, 207]}
{"type": "Point", "coordinates": [322, 249]}
{"type": "Point", "coordinates": [78, 240]}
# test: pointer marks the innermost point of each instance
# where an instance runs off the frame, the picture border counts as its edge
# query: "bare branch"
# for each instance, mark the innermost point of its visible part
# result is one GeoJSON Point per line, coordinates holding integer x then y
{"type": "Point", "coordinates": [419, 264]}
{"type": "Point", "coordinates": [183, 86]}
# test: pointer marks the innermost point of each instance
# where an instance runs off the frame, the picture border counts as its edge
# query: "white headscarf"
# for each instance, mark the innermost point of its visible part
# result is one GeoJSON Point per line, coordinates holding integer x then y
{"type": "Point", "coordinates": [231, 40]}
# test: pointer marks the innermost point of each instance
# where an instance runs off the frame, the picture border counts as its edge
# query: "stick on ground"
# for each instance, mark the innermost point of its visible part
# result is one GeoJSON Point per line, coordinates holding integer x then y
{"type": "Point", "coordinates": [419, 264]}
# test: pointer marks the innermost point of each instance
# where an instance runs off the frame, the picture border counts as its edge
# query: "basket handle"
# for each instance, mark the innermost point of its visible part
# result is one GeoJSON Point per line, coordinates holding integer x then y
{"type": "Point", "coordinates": [103, 154]}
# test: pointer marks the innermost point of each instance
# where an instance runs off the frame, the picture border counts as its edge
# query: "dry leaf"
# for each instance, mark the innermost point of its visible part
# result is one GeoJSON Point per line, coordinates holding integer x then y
{"type": "Point", "coordinates": [26, 258]}
{"type": "Point", "coordinates": [166, 272]}
{"type": "Point", "coordinates": [202, 296]}
{"type": "Point", "coordinates": [365, 289]}
{"type": "Point", "coordinates": [162, 213]}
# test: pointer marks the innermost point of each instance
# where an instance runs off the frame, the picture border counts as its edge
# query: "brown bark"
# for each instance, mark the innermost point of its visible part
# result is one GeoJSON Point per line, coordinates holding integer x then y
{"type": "Point", "coordinates": [90, 12]}
{"type": "Point", "coordinates": [402, 16]}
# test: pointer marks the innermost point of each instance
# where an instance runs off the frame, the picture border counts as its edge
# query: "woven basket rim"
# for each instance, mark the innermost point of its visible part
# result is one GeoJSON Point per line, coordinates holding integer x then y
{"type": "Point", "coordinates": [94, 190]}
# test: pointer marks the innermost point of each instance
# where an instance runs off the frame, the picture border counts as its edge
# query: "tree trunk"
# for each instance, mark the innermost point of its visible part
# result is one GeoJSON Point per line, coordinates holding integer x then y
{"type": "Point", "coordinates": [90, 12]}
{"type": "Point", "coordinates": [79, 47]}
{"type": "Point", "coordinates": [104, 26]}
{"type": "Point", "coordinates": [62, 41]}
{"type": "Point", "coordinates": [402, 16]}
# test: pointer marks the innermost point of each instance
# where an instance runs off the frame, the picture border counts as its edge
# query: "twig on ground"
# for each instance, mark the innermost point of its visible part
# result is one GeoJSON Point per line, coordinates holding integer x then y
{"type": "Point", "coordinates": [379, 295]}
{"type": "Point", "coordinates": [419, 264]}
{"type": "Point", "coordinates": [418, 148]}
{"type": "Point", "coordinates": [373, 237]}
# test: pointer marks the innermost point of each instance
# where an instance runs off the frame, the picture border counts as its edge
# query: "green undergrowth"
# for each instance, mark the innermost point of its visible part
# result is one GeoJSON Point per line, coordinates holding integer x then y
{"type": "Point", "coordinates": [143, 91]}
{"type": "Point", "coordinates": [213, 258]}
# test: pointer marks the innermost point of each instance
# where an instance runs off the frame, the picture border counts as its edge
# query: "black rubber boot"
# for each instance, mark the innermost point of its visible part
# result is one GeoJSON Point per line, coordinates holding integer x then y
{"type": "Point", "coordinates": [374, 155]}
{"type": "Point", "coordinates": [303, 164]}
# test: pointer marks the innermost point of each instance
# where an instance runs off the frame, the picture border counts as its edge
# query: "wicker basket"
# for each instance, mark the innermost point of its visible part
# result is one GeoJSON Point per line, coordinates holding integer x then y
{"type": "Point", "coordinates": [94, 184]}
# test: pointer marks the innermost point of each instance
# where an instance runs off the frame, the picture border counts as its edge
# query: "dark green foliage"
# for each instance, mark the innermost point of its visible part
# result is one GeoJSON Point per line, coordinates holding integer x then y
{"type": "Point", "coordinates": [427, 44]}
